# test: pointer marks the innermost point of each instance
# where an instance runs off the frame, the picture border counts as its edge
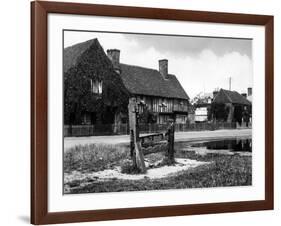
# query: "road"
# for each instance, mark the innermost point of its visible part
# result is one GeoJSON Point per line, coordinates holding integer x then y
{"type": "Point", "coordinates": [179, 136]}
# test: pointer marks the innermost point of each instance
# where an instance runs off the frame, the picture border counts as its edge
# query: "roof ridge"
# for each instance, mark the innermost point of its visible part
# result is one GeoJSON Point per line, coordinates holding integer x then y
{"type": "Point", "coordinates": [73, 53]}
{"type": "Point", "coordinates": [147, 68]}
{"type": "Point", "coordinates": [147, 81]}
{"type": "Point", "coordinates": [132, 65]}
{"type": "Point", "coordinates": [81, 43]}
{"type": "Point", "coordinates": [228, 97]}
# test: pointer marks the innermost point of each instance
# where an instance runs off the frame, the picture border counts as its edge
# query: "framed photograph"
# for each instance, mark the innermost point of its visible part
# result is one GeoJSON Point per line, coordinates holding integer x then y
{"type": "Point", "coordinates": [147, 112]}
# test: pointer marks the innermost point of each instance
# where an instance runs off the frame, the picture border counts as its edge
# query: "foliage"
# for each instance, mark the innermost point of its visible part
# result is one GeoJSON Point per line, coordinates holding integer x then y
{"type": "Point", "coordinates": [128, 167]}
{"type": "Point", "coordinates": [201, 98]}
{"type": "Point", "coordinates": [223, 171]}
{"type": "Point", "coordinates": [147, 116]}
{"type": "Point", "coordinates": [78, 98]}
{"type": "Point", "coordinates": [219, 111]}
{"type": "Point", "coordinates": [238, 114]}
{"type": "Point", "coordinates": [94, 157]}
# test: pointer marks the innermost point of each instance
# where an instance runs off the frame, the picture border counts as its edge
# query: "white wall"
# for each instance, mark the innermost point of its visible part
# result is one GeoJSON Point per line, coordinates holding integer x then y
{"type": "Point", "coordinates": [15, 114]}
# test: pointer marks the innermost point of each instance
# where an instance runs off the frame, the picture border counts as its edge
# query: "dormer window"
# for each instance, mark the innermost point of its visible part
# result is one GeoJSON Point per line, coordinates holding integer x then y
{"type": "Point", "coordinates": [96, 86]}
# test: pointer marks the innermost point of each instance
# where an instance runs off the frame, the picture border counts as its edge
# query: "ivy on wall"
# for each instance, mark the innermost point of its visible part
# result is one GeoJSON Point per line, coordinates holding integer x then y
{"type": "Point", "coordinates": [78, 97]}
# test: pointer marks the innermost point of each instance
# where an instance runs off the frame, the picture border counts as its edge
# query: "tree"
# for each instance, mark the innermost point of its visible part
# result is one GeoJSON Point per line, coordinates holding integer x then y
{"type": "Point", "coordinates": [219, 111]}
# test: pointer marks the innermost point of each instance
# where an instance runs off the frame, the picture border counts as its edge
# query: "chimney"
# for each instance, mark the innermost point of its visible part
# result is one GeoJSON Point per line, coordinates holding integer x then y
{"type": "Point", "coordinates": [163, 68]}
{"type": "Point", "coordinates": [244, 95]}
{"type": "Point", "coordinates": [249, 91]}
{"type": "Point", "coordinates": [114, 56]}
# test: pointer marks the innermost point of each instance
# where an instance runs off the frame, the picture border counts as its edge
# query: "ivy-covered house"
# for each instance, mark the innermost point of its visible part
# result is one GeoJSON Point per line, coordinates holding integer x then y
{"type": "Point", "coordinates": [97, 88]}
{"type": "Point", "coordinates": [231, 106]}
{"type": "Point", "coordinates": [93, 92]}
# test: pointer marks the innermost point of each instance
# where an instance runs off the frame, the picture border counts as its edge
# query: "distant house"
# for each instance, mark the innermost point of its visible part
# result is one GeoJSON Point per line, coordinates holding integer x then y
{"type": "Point", "coordinates": [201, 113]}
{"type": "Point", "coordinates": [231, 106]}
{"type": "Point", "coordinates": [97, 88]}
{"type": "Point", "coordinates": [202, 104]}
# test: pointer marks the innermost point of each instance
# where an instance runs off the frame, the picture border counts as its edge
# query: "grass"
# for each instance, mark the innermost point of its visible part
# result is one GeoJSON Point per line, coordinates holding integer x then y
{"type": "Point", "coordinates": [94, 157]}
{"type": "Point", "coordinates": [128, 167]}
{"type": "Point", "coordinates": [223, 170]}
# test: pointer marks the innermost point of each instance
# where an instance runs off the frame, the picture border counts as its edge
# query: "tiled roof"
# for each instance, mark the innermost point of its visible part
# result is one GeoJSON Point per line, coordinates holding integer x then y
{"type": "Point", "coordinates": [227, 96]}
{"type": "Point", "coordinates": [137, 80]}
{"type": "Point", "coordinates": [71, 54]}
{"type": "Point", "coordinates": [146, 81]}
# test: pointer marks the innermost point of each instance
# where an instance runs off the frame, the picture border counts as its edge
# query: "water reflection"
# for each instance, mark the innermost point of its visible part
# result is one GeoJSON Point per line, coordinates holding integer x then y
{"type": "Point", "coordinates": [244, 145]}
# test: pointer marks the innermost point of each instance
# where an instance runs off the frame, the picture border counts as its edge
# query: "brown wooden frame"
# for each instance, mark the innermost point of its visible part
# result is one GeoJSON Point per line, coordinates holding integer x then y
{"type": "Point", "coordinates": [39, 107]}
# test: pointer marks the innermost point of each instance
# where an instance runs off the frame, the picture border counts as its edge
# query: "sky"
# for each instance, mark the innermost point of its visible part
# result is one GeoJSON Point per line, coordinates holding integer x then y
{"type": "Point", "coordinates": [201, 64]}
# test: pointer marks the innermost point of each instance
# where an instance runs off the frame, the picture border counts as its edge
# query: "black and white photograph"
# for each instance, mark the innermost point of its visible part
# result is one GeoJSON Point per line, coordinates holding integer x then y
{"type": "Point", "coordinates": [146, 112]}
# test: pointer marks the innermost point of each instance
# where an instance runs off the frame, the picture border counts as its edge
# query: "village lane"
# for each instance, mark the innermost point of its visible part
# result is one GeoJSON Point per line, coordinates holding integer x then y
{"type": "Point", "coordinates": [179, 136]}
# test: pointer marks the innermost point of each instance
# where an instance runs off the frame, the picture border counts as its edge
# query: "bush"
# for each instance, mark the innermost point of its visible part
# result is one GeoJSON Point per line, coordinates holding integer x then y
{"type": "Point", "coordinates": [128, 167]}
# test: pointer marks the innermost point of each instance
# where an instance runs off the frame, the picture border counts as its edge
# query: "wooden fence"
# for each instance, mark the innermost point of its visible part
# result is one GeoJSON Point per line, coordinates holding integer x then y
{"type": "Point", "coordinates": [122, 129]}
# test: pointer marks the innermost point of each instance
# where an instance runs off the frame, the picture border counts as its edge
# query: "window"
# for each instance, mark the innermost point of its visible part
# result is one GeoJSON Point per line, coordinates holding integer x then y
{"type": "Point", "coordinates": [96, 86]}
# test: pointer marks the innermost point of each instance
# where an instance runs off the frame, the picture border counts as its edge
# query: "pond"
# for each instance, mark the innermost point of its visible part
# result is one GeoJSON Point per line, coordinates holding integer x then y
{"type": "Point", "coordinates": [244, 145]}
{"type": "Point", "coordinates": [226, 146]}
